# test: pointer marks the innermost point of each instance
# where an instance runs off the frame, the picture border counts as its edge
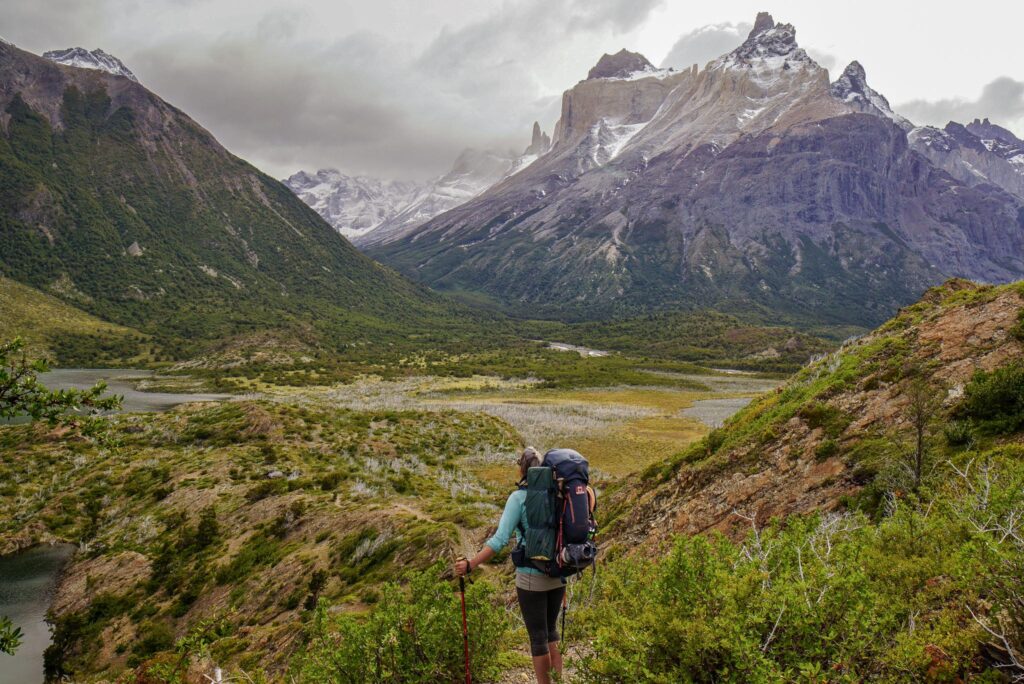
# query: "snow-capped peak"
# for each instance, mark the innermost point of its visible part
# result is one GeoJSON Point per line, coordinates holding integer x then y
{"type": "Point", "coordinates": [769, 48]}
{"type": "Point", "coordinates": [86, 59]}
{"type": "Point", "coordinates": [4, 41]}
{"type": "Point", "coordinates": [853, 89]}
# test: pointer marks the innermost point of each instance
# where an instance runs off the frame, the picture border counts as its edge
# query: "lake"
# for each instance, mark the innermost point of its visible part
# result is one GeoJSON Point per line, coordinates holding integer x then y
{"type": "Point", "coordinates": [27, 582]}
{"type": "Point", "coordinates": [122, 381]}
{"type": "Point", "coordinates": [28, 579]}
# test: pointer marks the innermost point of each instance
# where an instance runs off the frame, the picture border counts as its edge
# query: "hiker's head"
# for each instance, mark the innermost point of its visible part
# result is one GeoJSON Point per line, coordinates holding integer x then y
{"type": "Point", "coordinates": [530, 458]}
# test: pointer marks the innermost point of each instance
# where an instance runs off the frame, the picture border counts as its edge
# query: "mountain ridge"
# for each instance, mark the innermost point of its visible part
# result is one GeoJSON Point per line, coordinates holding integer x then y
{"type": "Point", "coordinates": [754, 182]}
{"type": "Point", "coordinates": [118, 203]}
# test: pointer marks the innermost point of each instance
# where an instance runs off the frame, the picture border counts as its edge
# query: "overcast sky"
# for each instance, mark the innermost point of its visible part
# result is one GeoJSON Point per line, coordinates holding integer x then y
{"type": "Point", "coordinates": [397, 88]}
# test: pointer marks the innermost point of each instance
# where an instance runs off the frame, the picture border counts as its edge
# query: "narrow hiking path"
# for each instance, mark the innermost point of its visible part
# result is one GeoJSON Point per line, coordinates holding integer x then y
{"type": "Point", "coordinates": [466, 541]}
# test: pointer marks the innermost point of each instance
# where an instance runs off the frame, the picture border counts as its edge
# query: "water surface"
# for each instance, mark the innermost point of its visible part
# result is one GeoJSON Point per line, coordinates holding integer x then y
{"type": "Point", "coordinates": [121, 381]}
{"type": "Point", "coordinates": [27, 582]}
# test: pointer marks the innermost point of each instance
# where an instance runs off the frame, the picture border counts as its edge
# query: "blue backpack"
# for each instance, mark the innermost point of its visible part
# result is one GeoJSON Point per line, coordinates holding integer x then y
{"type": "Point", "coordinates": [559, 539]}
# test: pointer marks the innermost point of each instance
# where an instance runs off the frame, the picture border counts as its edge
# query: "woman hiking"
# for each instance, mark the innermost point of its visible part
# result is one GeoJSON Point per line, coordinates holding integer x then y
{"type": "Point", "coordinates": [540, 596]}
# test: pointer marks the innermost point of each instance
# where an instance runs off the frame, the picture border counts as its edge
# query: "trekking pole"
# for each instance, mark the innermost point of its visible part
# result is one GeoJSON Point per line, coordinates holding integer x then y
{"type": "Point", "coordinates": [465, 627]}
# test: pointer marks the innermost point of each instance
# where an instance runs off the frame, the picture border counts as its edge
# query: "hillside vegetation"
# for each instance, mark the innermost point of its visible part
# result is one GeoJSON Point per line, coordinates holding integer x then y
{"type": "Point", "coordinates": [239, 515]}
{"type": "Point", "coordinates": [56, 330]}
{"type": "Point", "coordinates": [865, 522]}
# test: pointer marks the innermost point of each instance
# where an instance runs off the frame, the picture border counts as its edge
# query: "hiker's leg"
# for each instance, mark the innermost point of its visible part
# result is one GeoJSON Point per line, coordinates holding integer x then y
{"type": "Point", "coordinates": [556, 657]}
{"type": "Point", "coordinates": [534, 605]}
{"type": "Point", "coordinates": [554, 607]}
{"type": "Point", "coordinates": [542, 668]}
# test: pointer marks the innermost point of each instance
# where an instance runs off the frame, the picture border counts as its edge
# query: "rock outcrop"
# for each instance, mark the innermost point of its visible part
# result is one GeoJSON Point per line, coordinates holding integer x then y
{"type": "Point", "coordinates": [620, 65]}
{"type": "Point", "coordinates": [979, 153]}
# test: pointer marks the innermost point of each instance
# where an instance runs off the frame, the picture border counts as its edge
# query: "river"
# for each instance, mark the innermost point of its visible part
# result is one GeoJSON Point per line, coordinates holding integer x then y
{"type": "Point", "coordinates": [27, 582]}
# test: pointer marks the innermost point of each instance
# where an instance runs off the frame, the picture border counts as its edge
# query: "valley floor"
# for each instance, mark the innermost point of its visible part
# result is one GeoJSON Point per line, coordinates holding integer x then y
{"type": "Point", "coordinates": [372, 478]}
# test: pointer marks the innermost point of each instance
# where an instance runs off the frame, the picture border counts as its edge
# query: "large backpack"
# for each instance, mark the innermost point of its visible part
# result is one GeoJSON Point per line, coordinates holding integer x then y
{"type": "Point", "coordinates": [558, 540]}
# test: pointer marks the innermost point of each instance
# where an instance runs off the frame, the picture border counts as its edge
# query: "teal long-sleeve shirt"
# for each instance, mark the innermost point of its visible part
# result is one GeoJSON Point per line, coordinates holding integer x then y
{"type": "Point", "coordinates": [513, 519]}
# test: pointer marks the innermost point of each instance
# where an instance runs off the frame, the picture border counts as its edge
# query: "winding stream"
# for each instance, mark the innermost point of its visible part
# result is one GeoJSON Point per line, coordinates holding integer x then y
{"type": "Point", "coordinates": [27, 582]}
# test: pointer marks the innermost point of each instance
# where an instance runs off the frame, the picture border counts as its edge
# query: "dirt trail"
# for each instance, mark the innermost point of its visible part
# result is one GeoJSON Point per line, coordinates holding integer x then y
{"type": "Point", "coordinates": [467, 539]}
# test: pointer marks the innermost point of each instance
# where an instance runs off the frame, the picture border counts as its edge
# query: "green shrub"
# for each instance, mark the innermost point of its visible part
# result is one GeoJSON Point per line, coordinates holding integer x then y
{"type": "Point", "coordinates": [818, 598]}
{"type": "Point", "coordinates": [958, 433]}
{"type": "Point", "coordinates": [153, 637]}
{"type": "Point", "coordinates": [996, 400]}
{"type": "Point", "coordinates": [1017, 331]}
{"type": "Point", "coordinates": [828, 418]}
{"type": "Point", "coordinates": [826, 449]}
{"type": "Point", "coordinates": [412, 635]}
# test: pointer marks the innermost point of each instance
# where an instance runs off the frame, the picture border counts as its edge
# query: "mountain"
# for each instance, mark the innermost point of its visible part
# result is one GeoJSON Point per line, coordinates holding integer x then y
{"type": "Point", "coordinates": [118, 203]}
{"type": "Point", "coordinates": [752, 185]}
{"type": "Point", "coordinates": [472, 173]}
{"type": "Point", "coordinates": [853, 89]}
{"type": "Point", "coordinates": [353, 205]}
{"type": "Point", "coordinates": [372, 211]}
{"type": "Point", "coordinates": [975, 154]}
{"type": "Point", "coordinates": [94, 59]}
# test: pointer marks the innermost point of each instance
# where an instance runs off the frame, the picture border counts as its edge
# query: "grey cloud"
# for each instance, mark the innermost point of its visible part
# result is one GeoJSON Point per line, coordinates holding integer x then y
{"type": "Point", "coordinates": [369, 104]}
{"type": "Point", "coordinates": [704, 44]}
{"type": "Point", "coordinates": [55, 23]}
{"type": "Point", "coordinates": [824, 59]}
{"type": "Point", "coordinates": [1002, 101]}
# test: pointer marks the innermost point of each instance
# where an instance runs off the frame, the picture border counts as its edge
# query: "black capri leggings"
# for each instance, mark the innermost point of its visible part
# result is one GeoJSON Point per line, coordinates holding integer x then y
{"type": "Point", "coordinates": [540, 613]}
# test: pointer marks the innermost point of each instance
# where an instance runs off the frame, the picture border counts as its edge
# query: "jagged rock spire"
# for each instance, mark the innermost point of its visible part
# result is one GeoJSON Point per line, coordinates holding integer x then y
{"type": "Point", "coordinates": [764, 22]}
{"type": "Point", "coordinates": [540, 141]}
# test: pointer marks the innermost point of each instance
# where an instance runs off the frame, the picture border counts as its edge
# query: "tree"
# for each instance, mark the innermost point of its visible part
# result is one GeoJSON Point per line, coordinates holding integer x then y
{"type": "Point", "coordinates": [10, 636]}
{"type": "Point", "coordinates": [925, 401]}
{"type": "Point", "coordinates": [22, 394]}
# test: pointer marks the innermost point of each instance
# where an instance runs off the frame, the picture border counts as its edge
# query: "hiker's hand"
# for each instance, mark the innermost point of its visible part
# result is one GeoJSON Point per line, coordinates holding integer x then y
{"type": "Point", "coordinates": [462, 567]}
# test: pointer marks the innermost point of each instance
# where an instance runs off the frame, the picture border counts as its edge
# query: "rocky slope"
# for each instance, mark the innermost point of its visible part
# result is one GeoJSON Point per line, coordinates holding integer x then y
{"type": "Point", "coordinates": [753, 183]}
{"type": "Point", "coordinates": [819, 438]}
{"type": "Point", "coordinates": [119, 203]}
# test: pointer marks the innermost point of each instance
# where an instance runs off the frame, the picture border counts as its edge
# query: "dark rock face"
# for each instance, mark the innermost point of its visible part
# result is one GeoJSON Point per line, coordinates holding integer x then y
{"type": "Point", "coordinates": [976, 154]}
{"type": "Point", "coordinates": [986, 130]}
{"type": "Point", "coordinates": [762, 23]}
{"type": "Point", "coordinates": [622, 63]}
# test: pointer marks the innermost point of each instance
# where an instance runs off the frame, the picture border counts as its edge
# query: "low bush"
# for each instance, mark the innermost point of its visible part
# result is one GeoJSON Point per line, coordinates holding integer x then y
{"type": "Point", "coordinates": [413, 635]}
{"type": "Point", "coordinates": [996, 399]}
{"type": "Point", "coordinates": [829, 597]}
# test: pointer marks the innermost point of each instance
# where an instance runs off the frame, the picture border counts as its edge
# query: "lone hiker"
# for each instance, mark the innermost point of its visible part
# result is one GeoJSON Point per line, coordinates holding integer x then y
{"type": "Point", "coordinates": [540, 595]}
